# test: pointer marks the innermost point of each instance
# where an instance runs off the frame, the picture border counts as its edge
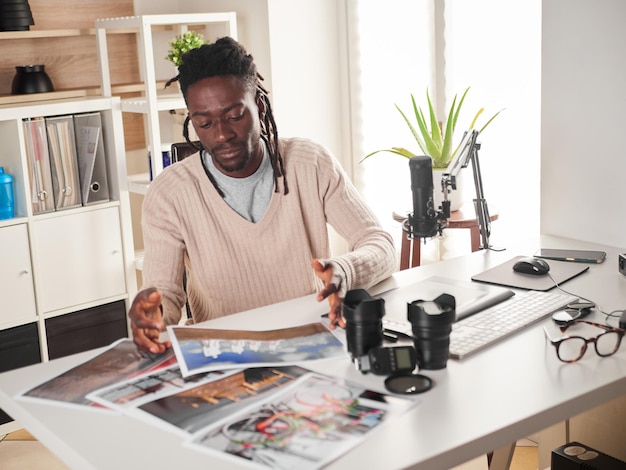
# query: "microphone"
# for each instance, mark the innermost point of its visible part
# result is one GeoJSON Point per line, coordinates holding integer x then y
{"type": "Point", "coordinates": [423, 223]}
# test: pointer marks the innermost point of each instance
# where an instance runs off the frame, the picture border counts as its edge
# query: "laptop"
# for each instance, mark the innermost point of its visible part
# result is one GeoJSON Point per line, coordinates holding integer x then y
{"type": "Point", "coordinates": [470, 297]}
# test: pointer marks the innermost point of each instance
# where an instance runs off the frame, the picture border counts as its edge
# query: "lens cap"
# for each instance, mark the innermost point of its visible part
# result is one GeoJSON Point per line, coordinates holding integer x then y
{"type": "Point", "coordinates": [563, 317]}
{"type": "Point", "coordinates": [573, 311]}
{"type": "Point", "coordinates": [408, 384]}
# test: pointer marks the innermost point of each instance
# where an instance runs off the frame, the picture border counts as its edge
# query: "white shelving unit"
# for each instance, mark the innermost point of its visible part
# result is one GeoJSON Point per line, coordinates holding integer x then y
{"type": "Point", "coordinates": [41, 228]}
{"type": "Point", "coordinates": [153, 101]}
{"type": "Point", "coordinates": [64, 266]}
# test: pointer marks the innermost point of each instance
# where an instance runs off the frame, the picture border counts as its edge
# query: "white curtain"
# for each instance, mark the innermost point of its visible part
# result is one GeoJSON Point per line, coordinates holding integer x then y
{"type": "Point", "coordinates": [391, 57]}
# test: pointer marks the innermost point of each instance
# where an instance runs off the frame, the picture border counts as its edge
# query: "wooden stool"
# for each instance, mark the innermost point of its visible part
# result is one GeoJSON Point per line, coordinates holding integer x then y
{"type": "Point", "coordinates": [465, 217]}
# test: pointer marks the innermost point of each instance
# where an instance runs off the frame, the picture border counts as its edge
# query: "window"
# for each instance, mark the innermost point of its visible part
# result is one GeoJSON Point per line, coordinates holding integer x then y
{"type": "Point", "coordinates": [493, 47]}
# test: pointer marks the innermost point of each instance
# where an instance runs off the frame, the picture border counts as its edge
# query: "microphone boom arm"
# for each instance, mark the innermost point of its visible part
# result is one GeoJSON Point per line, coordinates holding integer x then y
{"type": "Point", "coordinates": [480, 203]}
{"type": "Point", "coordinates": [469, 153]}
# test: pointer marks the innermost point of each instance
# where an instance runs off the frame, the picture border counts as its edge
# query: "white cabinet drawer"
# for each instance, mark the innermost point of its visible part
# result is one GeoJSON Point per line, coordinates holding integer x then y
{"type": "Point", "coordinates": [78, 258]}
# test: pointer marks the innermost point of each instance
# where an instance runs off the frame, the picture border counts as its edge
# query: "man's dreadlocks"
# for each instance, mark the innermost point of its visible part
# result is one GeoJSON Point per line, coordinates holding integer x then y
{"type": "Point", "coordinates": [227, 57]}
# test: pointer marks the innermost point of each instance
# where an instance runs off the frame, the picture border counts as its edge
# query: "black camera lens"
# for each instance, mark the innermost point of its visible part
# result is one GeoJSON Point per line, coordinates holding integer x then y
{"type": "Point", "coordinates": [431, 323]}
{"type": "Point", "coordinates": [364, 321]}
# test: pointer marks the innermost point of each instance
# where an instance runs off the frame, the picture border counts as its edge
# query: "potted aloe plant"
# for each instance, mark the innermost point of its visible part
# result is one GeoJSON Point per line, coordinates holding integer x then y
{"type": "Point", "coordinates": [183, 43]}
{"type": "Point", "coordinates": [435, 137]}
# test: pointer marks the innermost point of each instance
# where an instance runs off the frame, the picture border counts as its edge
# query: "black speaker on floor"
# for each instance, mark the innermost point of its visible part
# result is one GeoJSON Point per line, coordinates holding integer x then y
{"type": "Point", "coordinates": [577, 456]}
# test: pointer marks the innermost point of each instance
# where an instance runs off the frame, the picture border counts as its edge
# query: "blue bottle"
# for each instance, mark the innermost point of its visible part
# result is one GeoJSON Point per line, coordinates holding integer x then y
{"type": "Point", "coordinates": [7, 209]}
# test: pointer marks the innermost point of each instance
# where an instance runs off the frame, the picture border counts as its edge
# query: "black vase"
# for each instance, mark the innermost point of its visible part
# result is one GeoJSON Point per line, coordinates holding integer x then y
{"type": "Point", "coordinates": [31, 79]}
{"type": "Point", "coordinates": [15, 15]}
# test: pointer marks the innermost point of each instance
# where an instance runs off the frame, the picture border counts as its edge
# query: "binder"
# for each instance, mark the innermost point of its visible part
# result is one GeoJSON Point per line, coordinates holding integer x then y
{"type": "Point", "coordinates": [63, 162]}
{"type": "Point", "coordinates": [38, 159]}
{"type": "Point", "coordinates": [92, 167]}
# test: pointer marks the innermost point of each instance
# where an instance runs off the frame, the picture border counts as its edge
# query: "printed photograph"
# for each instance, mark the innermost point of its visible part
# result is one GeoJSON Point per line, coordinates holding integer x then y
{"type": "Point", "coordinates": [151, 386]}
{"type": "Point", "coordinates": [119, 362]}
{"type": "Point", "coordinates": [305, 426]}
{"type": "Point", "coordinates": [197, 407]}
{"type": "Point", "coordinates": [203, 349]}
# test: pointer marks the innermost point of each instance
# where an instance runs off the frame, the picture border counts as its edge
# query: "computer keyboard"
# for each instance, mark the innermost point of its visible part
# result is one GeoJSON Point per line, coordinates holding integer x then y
{"type": "Point", "coordinates": [495, 323]}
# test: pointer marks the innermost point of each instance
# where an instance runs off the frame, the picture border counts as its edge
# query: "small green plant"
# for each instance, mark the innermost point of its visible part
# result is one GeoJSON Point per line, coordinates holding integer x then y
{"type": "Point", "coordinates": [435, 140]}
{"type": "Point", "coordinates": [183, 43]}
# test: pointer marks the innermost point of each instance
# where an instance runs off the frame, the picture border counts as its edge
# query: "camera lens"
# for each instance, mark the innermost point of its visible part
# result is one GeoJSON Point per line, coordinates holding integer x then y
{"type": "Point", "coordinates": [431, 323]}
{"type": "Point", "coordinates": [364, 321]}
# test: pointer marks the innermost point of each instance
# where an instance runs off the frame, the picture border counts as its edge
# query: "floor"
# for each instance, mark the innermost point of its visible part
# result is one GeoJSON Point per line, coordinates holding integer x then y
{"type": "Point", "coordinates": [21, 451]}
{"type": "Point", "coordinates": [525, 456]}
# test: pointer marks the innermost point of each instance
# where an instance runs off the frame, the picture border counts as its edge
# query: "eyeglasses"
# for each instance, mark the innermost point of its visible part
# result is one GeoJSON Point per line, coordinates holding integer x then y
{"type": "Point", "coordinates": [572, 348]}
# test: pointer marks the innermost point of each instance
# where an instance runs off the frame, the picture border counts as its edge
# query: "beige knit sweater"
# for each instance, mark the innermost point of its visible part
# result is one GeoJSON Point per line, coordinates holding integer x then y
{"type": "Point", "coordinates": [234, 265]}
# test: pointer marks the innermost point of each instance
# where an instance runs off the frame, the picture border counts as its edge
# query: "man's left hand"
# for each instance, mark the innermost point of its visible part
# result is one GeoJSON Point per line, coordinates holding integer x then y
{"type": "Point", "coordinates": [330, 291]}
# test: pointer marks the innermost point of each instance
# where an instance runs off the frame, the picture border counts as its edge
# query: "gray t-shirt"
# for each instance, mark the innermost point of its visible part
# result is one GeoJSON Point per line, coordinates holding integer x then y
{"type": "Point", "coordinates": [250, 196]}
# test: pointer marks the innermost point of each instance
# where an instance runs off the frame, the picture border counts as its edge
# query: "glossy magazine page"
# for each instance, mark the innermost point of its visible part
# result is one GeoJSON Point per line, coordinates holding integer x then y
{"type": "Point", "coordinates": [203, 349]}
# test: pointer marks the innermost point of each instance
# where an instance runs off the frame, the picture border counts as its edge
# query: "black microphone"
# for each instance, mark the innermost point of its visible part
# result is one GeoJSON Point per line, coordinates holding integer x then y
{"type": "Point", "coordinates": [423, 221]}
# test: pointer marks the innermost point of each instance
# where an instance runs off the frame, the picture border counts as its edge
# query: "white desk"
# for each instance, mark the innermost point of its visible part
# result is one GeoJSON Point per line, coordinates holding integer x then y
{"type": "Point", "coordinates": [481, 403]}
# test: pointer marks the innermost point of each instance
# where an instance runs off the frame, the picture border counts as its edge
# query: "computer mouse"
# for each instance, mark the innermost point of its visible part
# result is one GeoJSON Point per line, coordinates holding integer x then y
{"type": "Point", "coordinates": [536, 266]}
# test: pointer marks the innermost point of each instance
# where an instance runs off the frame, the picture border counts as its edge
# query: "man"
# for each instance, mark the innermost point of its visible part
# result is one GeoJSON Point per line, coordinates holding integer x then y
{"type": "Point", "coordinates": [246, 218]}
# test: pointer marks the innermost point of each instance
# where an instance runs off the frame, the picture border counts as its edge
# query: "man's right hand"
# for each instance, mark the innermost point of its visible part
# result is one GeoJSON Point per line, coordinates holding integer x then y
{"type": "Point", "coordinates": [146, 321]}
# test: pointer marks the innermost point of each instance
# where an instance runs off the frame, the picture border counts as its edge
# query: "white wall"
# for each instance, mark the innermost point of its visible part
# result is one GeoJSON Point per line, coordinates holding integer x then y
{"type": "Point", "coordinates": [582, 122]}
{"type": "Point", "coordinates": [304, 44]}
{"type": "Point", "coordinates": [583, 163]}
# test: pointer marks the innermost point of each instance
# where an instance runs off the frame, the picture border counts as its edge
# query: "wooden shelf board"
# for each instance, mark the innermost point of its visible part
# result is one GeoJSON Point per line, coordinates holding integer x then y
{"type": "Point", "coordinates": [139, 255]}
{"type": "Point", "coordinates": [72, 32]}
{"type": "Point", "coordinates": [139, 183]}
{"type": "Point", "coordinates": [118, 89]}
{"type": "Point", "coordinates": [46, 33]}
{"type": "Point", "coordinates": [163, 21]}
{"type": "Point", "coordinates": [165, 102]}
{"type": "Point", "coordinates": [31, 97]}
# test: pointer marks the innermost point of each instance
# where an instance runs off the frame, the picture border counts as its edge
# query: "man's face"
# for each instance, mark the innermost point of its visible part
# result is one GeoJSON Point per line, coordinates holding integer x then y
{"type": "Point", "coordinates": [226, 119]}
